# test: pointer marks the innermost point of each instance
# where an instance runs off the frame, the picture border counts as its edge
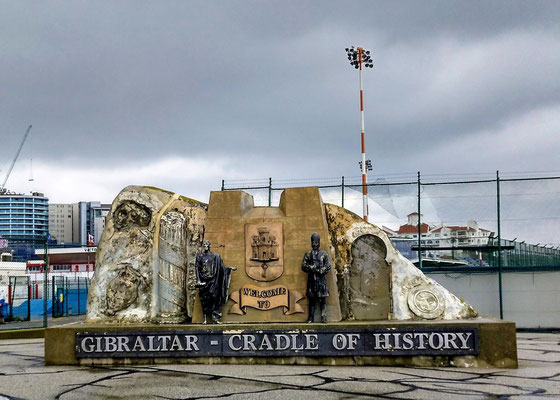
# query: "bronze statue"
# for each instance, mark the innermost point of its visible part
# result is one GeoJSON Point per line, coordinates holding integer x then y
{"type": "Point", "coordinates": [317, 264]}
{"type": "Point", "coordinates": [212, 281]}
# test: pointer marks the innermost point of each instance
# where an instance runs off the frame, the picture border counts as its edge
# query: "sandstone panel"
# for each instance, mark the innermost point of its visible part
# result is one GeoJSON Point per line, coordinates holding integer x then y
{"type": "Point", "coordinates": [231, 217]}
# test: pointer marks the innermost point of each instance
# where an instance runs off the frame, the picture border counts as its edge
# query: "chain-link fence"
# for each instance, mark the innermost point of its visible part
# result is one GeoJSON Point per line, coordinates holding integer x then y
{"type": "Point", "coordinates": [69, 296]}
{"type": "Point", "coordinates": [19, 296]}
{"type": "Point", "coordinates": [446, 221]}
{"type": "Point", "coordinates": [445, 224]}
{"type": "Point", "coordinates": [30, 300]}
{"type": "Point", "coordinates": [66, 296]}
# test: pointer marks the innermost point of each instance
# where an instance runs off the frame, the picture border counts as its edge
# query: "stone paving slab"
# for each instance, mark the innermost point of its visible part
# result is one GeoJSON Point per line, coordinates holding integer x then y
{"type": "Point", "coordinates": [38, 323]}
{"type": "Point", "coordinates": [24, 376]}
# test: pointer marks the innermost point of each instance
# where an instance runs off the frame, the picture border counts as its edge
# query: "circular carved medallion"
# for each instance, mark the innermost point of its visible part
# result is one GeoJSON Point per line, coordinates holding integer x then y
{"type": "Point", "coordinates": [425, 303]}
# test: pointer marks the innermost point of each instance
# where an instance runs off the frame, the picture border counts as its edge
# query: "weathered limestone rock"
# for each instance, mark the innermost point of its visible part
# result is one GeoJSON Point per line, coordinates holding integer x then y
{"type": "Point", "coordinates": [145, 258]}
{"type": "Point", "coordinates": [376, 281]}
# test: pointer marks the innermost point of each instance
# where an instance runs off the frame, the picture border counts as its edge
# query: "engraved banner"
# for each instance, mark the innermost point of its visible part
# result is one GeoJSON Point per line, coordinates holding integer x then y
{"type": "Point", "coordinates": [265, 298]}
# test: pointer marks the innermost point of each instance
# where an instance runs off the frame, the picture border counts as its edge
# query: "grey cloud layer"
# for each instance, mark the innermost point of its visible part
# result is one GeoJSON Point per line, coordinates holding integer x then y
{"type": "Point", "coordinates": [106, 82]}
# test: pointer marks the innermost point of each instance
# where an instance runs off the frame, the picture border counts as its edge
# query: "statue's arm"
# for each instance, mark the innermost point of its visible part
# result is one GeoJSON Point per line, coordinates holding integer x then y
{"type": "Point", "coordinates": [326, 264]}
{"type": "Point", "coordinates": [306, 263]}
{"type": "Point", "coordinates": [197, 264]}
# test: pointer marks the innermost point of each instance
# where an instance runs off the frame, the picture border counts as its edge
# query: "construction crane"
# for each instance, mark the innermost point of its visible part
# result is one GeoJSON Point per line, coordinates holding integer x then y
{"type": "Point", "coordinates": [2, 188]}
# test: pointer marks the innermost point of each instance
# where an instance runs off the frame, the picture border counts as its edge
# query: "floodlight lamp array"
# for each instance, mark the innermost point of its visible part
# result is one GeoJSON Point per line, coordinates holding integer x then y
{"type": "Point", "coordinates": [354, 57]}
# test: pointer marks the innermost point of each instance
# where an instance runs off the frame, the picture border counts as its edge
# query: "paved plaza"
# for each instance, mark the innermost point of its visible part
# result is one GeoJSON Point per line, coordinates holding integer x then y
{"type": "Point", "coordinates": [24, 376]}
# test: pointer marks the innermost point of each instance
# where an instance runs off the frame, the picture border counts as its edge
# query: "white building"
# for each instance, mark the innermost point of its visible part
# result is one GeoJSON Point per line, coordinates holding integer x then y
{"type": "Point", "coordinates": [456, 236]}
{"type": "Point", "coordinates": [72, 262]}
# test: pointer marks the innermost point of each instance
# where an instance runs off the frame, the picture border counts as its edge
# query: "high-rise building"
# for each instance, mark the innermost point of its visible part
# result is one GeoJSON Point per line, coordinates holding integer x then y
{"type": "Point", "coordinates": [92, 215]}
{"type": "Point", "coordinates": [60, 223]}
{"type": "Point", "coordinates": [24, 223]}
{"type": "Point", "coordinates": [74, 223]}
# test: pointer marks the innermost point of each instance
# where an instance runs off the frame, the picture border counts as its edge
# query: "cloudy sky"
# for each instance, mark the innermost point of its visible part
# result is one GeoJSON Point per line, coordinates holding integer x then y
{"type": "Point", "coordinates": [183, 94]}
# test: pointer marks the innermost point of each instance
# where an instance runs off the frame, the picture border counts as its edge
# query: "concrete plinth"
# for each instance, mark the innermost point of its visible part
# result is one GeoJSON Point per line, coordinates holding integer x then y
{"type": "Point", "coordinates": [496, 344]}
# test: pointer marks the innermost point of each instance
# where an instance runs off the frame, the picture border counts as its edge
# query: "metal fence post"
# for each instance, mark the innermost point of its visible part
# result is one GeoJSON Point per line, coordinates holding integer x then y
{"type": "Point", "coordinates": [54, 299]}
{"type": "Point", "coordinates": [269, 192]}
{"type": "Point", "coordinates": [65, 298]}
{"type": "Point", "coordinates": [28, 300]}
{"type": "Point", "coordinates": [79, 311]}
{"type": "Point", "coordinates": [10, 298]}
{"type": "Point", "coordinates": [342, 192]}
{"type": "Point", "coordinates": [419, 227]}
{"type": "Point", "coordinates": [46, 283]}
{"type": "Point", "coordinates": [500, 294]}
{"type": "Point", "coordinates": [223, 185]}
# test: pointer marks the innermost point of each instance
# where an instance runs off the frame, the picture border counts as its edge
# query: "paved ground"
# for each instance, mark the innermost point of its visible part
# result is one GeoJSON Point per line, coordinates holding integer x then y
{"type": "Point", "coordinates": [23, 375]}
{"type": "Point", "coordinates": [38, 323]}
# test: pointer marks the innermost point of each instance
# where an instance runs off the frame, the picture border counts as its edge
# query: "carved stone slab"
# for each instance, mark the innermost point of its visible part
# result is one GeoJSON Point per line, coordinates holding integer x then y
{"type": "Point", "coordinates": [264, 251]}
{"type": "Point", "coordinates": [247, 237]}
{"type": "Point", "coordinates": [145, 258]}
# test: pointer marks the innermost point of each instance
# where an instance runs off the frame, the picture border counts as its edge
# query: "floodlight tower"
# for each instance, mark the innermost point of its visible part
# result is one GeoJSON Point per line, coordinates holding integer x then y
{"type": "Point", "coordinates": [357, 58]}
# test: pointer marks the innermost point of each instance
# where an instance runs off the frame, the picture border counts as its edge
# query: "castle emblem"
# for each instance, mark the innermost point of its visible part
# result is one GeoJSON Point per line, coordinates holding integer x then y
{"type": "Point", "coordinates": [264, 248]}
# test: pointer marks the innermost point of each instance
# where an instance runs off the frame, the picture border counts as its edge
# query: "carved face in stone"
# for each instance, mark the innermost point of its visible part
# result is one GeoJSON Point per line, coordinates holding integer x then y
{"type": "Point", "coordinates": [315, 241]}
{"type": "Point", "coordinates": [130, 213]}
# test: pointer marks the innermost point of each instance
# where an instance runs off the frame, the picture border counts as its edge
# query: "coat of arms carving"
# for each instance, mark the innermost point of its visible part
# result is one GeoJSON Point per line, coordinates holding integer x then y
{"type": "Point", "coordinates": [264, 251]}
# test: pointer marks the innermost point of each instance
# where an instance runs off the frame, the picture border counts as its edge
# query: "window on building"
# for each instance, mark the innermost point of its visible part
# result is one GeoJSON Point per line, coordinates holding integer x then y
{"type": "Point", "coordinates": [61, 267]}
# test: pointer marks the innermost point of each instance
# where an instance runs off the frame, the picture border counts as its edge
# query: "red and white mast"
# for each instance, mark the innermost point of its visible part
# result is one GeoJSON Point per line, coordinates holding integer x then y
{"type": "Point", "coordinates": [364, 166]}
{"type": "Point", "coordinates": [358, 58]}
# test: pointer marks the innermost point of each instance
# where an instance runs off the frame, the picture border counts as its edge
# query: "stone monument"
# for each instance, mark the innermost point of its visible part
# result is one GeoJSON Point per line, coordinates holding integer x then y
{"type": "Point", "coordinates": [156, 283]}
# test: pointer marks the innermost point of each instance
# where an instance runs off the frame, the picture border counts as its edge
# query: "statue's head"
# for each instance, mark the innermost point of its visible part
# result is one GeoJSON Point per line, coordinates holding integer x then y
{"type": "Point", "coordinates": [315, 241]}
{"type": "Point", "coordinates": [206, 245]}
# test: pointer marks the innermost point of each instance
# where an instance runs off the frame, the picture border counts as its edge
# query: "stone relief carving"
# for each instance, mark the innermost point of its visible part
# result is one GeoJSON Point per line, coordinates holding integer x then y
{"type": "Point", "coordinates": [345, 227]}
{"type": "Point", "coordinates": [264, 251]}
{"type": "Point", "coordinates": [172, 253]}
{"type": "Point", "coordinates": [370, 279]}
{"type": "Point", "coordinates": [264, 248]}
{"type": "Point", "coordinates": [425, 302]}
{"type": "Point", "coordinates": [156, 234]}
{"type": "Point", "coordinates": [122, 290]}
{"type": "Point", "coordinates": [130, 213]}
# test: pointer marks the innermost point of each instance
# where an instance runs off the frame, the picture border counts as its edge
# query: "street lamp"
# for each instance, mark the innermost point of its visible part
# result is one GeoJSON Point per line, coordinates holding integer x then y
{"type": "Point", "coordinates": [358, 58]}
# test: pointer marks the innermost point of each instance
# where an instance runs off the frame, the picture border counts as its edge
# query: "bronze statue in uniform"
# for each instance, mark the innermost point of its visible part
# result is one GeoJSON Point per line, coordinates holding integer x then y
{"type": "Point", "coordinates": [316, 264]}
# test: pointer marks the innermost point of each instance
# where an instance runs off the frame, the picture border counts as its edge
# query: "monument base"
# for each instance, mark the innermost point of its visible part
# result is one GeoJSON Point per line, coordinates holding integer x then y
{"type": "Point", "coordinates": [481, 342]}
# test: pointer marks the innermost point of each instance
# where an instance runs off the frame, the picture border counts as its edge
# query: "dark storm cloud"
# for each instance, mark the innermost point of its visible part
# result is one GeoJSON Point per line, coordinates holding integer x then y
{"type": "Point", "coordinates": [107, 82]}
